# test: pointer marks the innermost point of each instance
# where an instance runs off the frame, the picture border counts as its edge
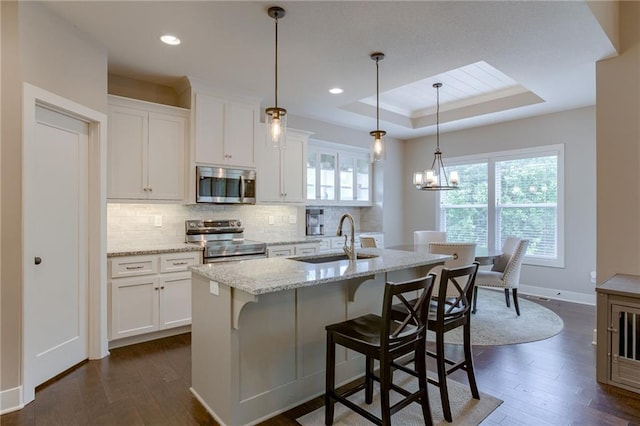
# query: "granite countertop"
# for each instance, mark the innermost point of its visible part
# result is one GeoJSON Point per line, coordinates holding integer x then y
{"type": "Point", "coordinates": [269, 275]}
{"type": "Point", "coordinates": [135, 249]}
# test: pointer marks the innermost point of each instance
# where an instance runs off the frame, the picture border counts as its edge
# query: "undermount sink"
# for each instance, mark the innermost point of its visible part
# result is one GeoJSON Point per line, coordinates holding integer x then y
{"type": "Point", "coordinates": [333, 258]}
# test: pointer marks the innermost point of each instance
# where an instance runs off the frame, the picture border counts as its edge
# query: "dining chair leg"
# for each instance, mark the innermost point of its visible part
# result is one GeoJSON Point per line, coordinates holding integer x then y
{"type": "Point", "coordinates": [330, 381]}
{"type": "Point", "coordinates": [368, 381]}
{"type": "Point", "coordinates": [475, 300]}
{"type": "Point", "coordinates": [515, 300]}
{"type": "Point", "coordinates": [468, 356]}
{"type": "Point", "coordinates": [506, 297]}
{"type": "Point", "coordinates": [442, 377]}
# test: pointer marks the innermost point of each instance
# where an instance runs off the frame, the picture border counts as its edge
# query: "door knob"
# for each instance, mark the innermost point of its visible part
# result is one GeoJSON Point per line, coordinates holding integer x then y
{"type": "Point", "coordinates": [37, 260]}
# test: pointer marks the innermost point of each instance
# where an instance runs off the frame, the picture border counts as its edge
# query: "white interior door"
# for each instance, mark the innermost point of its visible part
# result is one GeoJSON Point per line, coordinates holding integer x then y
{"type": "Point", "coordinates": [56, 245]}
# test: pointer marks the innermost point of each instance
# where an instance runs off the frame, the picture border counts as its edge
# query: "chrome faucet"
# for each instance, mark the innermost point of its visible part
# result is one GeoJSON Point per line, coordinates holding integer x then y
{"type": "Point", "coordinates": [350, 251]}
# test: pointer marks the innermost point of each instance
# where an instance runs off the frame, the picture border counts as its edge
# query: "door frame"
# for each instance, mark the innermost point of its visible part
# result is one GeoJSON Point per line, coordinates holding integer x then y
{"type": "Point", "coordinates": [97, 223]}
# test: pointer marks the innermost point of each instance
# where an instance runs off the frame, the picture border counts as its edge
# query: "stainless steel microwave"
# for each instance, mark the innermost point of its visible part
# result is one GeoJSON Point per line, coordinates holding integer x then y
{"type": "Point", "coordinates": [225, 186]}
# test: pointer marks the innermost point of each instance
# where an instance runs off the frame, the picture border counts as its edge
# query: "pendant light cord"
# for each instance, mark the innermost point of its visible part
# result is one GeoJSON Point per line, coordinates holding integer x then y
{"type": "Point", "coordinates": [438, 117]}
{"type": "Point", "coordinates": [377, 95]}
{"type": "Point", "coordinates": [276, 62]}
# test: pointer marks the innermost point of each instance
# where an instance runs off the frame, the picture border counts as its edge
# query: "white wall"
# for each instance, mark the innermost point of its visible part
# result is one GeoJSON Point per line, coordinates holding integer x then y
{"type": "Point", "coordinates": [577, 131]}
{"type": "Point", "coordinates": [41, 49]}
{"type": "Point", "coordinates": [618, 99]}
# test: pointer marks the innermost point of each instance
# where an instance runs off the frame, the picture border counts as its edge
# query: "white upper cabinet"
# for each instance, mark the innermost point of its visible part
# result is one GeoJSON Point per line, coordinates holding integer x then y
{"type": "Point", "coordinates": [224, 131]}
{"type": "Point", "coordinates": [146, 150]}
{"type": "Point", "coordinates": [338, 175]}
{"type": "Point", "coordinates": [280, 174]}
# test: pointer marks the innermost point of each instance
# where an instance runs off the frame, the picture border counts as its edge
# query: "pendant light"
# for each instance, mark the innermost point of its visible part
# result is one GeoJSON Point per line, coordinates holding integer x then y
{"type": "Point", "coordinates": [435, 179]}
{"type": "Point", "coordinates": [276, 117]}
{"type": "Point", "coordinates": [378, 151]}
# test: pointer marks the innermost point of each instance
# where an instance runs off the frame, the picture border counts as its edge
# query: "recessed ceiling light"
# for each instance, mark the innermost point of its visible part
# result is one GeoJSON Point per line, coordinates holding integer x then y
{"type": "Point", "coordinates": [170, 39]}
{"type": "Point", "coordinates": [336, 91]}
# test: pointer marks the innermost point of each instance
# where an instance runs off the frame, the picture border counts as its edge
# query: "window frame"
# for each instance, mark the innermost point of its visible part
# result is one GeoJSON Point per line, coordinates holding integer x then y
{"type": "Point", "coordinates": [491, 158]}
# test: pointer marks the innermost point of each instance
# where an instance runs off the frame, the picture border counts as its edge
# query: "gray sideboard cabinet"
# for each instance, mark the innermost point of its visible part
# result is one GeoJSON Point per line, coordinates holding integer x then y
{"type": "Point", "coordinates": [618, 332]}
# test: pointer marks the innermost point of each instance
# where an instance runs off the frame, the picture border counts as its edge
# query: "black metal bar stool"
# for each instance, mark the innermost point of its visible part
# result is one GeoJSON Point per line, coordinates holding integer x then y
{"type": "Point", "coordinates": [385, 338]}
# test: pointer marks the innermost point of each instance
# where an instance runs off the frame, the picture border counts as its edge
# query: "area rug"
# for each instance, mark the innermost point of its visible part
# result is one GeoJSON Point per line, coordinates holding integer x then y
{"type": "Point", "coordinates": [496, 324]}
{"type": "Point", "coordinates": [465, 410]}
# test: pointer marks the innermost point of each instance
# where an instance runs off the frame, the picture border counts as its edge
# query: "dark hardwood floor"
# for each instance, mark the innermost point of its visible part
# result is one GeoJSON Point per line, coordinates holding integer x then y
{"type": "Point", "coordinates": [548, 382]}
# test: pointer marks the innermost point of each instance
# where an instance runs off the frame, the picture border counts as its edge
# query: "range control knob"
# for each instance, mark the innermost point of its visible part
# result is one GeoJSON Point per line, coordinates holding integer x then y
{"type": "Point", "coordinates": [238, 223]}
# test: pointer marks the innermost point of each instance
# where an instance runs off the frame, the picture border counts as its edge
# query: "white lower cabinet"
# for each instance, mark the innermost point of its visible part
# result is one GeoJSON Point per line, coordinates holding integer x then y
{"type": "Point", "coordinates": [303, 249]}
{"type": "Point", "coordinates": [150, 293]}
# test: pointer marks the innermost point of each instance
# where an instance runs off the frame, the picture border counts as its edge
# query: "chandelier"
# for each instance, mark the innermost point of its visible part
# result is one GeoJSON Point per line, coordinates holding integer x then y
{"type": "Point", "coordinates": [435, 178]}
{"type": "Point", "coordinates": [276, 117]}
{"type": "Point", "coordinates": [377, 149]}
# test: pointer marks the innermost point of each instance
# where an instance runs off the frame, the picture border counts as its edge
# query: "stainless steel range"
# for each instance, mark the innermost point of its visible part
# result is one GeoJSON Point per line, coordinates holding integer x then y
{"type": "Point", "coordinates": [223, 240]}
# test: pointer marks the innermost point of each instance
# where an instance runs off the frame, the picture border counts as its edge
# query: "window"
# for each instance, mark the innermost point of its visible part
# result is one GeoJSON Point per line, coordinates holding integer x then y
{"type": "Point", "coordinates": [509, 193]}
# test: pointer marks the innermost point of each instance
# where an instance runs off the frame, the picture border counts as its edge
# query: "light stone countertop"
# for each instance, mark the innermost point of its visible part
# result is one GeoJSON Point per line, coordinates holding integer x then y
{"type": "Point", "coordinates": [260, 276]}
{"type": "Point", "coordinates": [136, 249]}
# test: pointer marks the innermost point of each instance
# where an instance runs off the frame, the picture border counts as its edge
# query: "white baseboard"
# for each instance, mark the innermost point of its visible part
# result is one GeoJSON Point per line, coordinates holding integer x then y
{"type": "Point", "coordinates": [10, 400]}
{"type": "Point", "coordinates": [126, 341]}
{"type": "Point", "coordinates": [550, 293]}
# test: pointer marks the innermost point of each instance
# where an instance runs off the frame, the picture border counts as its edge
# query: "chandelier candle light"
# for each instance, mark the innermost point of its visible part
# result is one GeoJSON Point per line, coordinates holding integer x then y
{"type": "Point", "coordinates": [435, 179]}
{"type": "Point", "coordinates": [276, 117]}
{"type": "Point", "coordinates": [378, 151]}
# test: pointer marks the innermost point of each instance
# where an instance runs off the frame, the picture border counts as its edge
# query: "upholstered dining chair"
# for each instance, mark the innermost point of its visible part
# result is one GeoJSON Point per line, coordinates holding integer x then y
{"type": "Point", "coordinates": [463, 254]}
{"type": "Point", "coordinates": [505, 273]}
{"type": "Point", "coordinates": [367, 242]}
{"type": "Point", "coordinates": [423, 238]}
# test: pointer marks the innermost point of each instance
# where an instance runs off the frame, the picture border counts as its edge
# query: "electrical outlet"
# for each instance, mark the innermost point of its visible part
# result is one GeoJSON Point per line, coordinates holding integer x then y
{"type": "Point", "coordinates": [271, 220]}
{"type": "Point", "coordinates": [157, 220]}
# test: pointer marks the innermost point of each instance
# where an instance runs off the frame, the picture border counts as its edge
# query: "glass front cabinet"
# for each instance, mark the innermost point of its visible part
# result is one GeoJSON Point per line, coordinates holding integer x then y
{"type": "Point", "coordinates": [338, 175]}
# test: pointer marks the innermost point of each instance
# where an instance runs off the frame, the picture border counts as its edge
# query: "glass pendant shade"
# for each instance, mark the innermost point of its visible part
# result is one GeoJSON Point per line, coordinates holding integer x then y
{"type": "Point", "coordinates": [378, 150]}
{"type": "Point", "coordinates": [276, 121]}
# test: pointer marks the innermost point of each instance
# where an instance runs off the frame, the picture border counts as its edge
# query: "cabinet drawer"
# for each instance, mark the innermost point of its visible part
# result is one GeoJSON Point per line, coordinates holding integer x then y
{"type": "Point", "coordinates": [306, 249]}
{"type": "Point", "coordinates": [133, 266]}
{"type": "Point", "coordinates": [337, 243]}
{"type": "Point", "coordinates": [325, 244]}
{"type": "Point", "coordinates": [282, 251]}
{"type": "Point", "coordinates": [173, 262]}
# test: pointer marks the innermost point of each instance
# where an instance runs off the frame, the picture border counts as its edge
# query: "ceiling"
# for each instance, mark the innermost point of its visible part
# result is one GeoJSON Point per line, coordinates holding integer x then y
{"type": "Point", "coordinates": [545, 51]}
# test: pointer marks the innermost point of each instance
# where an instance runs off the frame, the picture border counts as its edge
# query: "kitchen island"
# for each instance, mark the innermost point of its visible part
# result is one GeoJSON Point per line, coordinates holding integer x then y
{"type": "Point", "coordinates": [258, 338]}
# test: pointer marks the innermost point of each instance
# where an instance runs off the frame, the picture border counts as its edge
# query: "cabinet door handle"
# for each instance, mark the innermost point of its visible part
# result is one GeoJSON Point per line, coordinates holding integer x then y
{"type": "Point", "coordinates": [162, 288]}
{"type": "Point", "coordinates": [180, 263]}
{"type": "Point", "coordinates": [130, 268]}
{"type": "Point", "coordinates": [150, 189]}
{"type": "Point", "coordinates": [37, 260]}
{"type": "Point", "coordinates": [145, 189]}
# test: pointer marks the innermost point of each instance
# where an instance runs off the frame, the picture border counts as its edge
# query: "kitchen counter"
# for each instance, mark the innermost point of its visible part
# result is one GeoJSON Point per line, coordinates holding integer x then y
{"type": "Point", "coordinates": [269, 275]}
{"type": "Point", "coordinates": [258, 328]}
{"type": "Point", "coordinates": [135, 249]}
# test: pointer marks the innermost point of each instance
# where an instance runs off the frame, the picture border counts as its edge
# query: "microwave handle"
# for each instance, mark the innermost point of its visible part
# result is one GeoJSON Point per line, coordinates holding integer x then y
{"type": "Point", "coordinates": [242, 184]}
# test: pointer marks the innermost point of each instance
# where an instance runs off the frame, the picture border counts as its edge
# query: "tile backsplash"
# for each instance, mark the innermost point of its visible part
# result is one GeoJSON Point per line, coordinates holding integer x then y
{"type": "Point", "coordinates": [137, 222]}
